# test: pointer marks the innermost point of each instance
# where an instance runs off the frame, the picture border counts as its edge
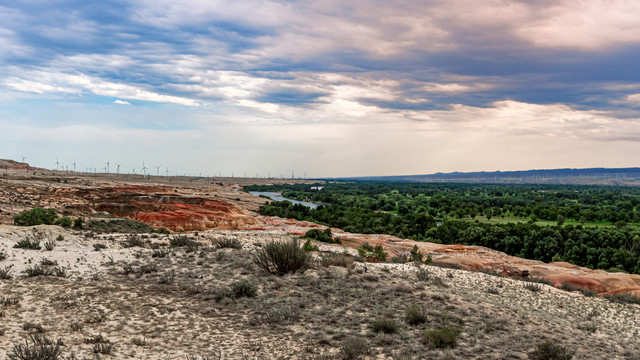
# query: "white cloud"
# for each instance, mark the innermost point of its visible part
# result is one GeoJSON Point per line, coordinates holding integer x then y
{"type": "Point", "coordinates": [122, 102]}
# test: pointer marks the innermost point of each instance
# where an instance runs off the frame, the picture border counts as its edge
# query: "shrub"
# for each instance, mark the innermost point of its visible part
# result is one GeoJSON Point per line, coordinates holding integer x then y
{"type": "Point", "coordinates": [33, 327]}
{"type": "Point", "coordinates": [133, 241]}
{"type": "Point", "coordinates": [35, 216]}
{"type": "Point", "coordinates": [533, 287]}
{"type": "Point", "coordinates": [550, 351]}
{"type": "Point", "coordinates": [5, 272]}
{"type": "Point", "coordinates": [167, 278]}
{"type": "Point", "coordinates": [379, 253]}
{"type": "Point", "coordinates": [64, 221]}
{"type": "Point", "coordinates": [243, 288]}
{"type": "Point", "coordinates": [101, 348]}
{"type": "Point", "coordinates": [441, 338]}
{"type": "Point", "coordinates": [50, 245]}
{"type": "Point", "coordinates": [308, 246]}
{"type": "Point", "coordinates": [28, 244]}
{"type": "Point", "coordinates": [2, 255]}
{"type": "Point", "coordinates": [183, 241]}
{"type": "Point", "coordinates": [160, 253]}
{"type": "Point", "coordinates": [415, 315]}
{"type": "Point", "coordinates": [37, 270]}
{"type": "Point", "coordinates": [36, 347]}
{"type": "Point", "coordinates": [228, 242]}
{"type": "Point", "coordinates": [571, 288]}
{"type": "Point", "coordinates": [415, 254]}
{"type": "Point", "coordinates": [98, 247]}
{"type": "Point", "coordinates": [354, 348]}
{"type": "Point", "coordinates": [387, 326]}
{"type": "Point", "coordinates": [334, 259]}
{"type": "Point", "coordinates": [282, 258]}
{"type": "Point", "coordinates": [96, 339]}
{"type": "Point", "coordinates": [78, 223]}
{"type": "Point", "coordinates": [281, 315]}
{"type": "Point", "coordinates": [623, 298]}
{"type": "Point", "coordinates": [322, 235]}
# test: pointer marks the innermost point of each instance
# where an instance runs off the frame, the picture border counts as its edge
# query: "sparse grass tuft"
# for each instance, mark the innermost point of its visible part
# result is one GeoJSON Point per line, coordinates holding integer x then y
{"type": "Point", "coordinates": [28, 244]}
{"type": "Point", "coordinates": [243, 288]}
{"type": "Point", "coordinates": [183, 241]}
{"type": "Point", "coordinates": [33, 327]}
{"type": "Point", "coordinates": [50, 245]}
{"type": "Point", "coordinates": [571, 288]}
{"type": "Point", "coordinates": [415, 315]}
{"type": "Point", "coordinates": [623, 298]}
{"type": "Point", "coordinates": [387, 326]}
{"type": "Point", "coordinates": [5, 272]}
{"type": "Point", "coordinates": [133, 241]}
{"type": "Point", "coordinates": [228, 242]}
{"type": "Point", "coordinates": [104, 349]}
{"type": "Point", "coordinates": [533, 287]}
{"type": "Point", "coordinates": [548, 350]}
{"type": "Point", "coordinates": [354, 348]}
{"type": "Point", "coordinates": [282, 314]}
{"type": "Point", "coordinates": [445, 337]}
{"type": "Point", "coordinates": [36, 347]}
{"type": "Point", "coordinates": [98, 247]}
{"type": "Point", "coordinates": [335, 259]}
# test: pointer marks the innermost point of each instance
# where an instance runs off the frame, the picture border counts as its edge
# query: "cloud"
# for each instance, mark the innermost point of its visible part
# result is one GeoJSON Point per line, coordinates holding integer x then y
{"type": "Point", "coordinates": [122, 102]}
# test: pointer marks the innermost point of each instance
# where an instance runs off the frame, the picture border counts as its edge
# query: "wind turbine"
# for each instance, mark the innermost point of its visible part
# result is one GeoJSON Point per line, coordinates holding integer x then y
{"type": "Point", "coordinates": [133, 171]}
{"type": "Point", "coordinates": [143, 169]}
{"type": "Point", "coordinates": [118, 170]}
{"type": "Point", "coordinates": [157, 170]}
{"type": "Point", "coordinates": [166, 171]}
{"type": "Point", "coordinates": [23, 157]}
{"type": "Point", "coordinates": [74, 166]}
{"type": "Point", "coordinates": [107, 167]}
{"type": "Point", "coordinates": [57, 164]}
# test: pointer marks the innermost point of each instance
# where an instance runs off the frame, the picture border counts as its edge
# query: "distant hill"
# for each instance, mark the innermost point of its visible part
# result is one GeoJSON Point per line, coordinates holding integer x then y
{"type": "Point", "coordinates": [590, 176]}
{"type": "Point", "coordinates": [13, 165]}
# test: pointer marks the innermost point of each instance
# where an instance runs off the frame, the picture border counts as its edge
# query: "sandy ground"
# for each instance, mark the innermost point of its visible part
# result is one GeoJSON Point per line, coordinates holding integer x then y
{"type": "Point", "coordinates": [162, 302]}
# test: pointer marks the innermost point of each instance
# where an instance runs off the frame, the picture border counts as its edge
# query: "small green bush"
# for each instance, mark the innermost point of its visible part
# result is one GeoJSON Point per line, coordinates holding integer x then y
{"type": "Point", "coordinates": [322, 235]}
{"type": "Point", "coordinates": [78, 223]}
{"type": "Point", "coordinates": [35, 216]}
{"type": "Point", "coordinates": [354, 348]}
{"type": "Point", "coordinates": [623, 298]}
{"type": "Point", "coordinates": [5, 272]}
{"type": "Point", "coordinates": [445, 337]}
{"type": "Point", "coordinates": [36, 347]}
{"type": "Point", "coordinates": [228, 242]}
{"type": "Point", "coordinates": [387, 326]}
{"type": "Point", "coordinates": [64, 221]}
{"type": "Point", "coordinates": [533, 287]}
{"type": "Point", "coordinates": [280, 258]}
{"type": "Point", "coordinates": [548, 350]}
{"type": "Point", "coordinates": [571, 288]}
{"type": "Point", "coordinates": [308, 246]}
{"type": "Point", "coordinates": [243, 288]}
{"type": "Point", "coordinates": [415, 315]}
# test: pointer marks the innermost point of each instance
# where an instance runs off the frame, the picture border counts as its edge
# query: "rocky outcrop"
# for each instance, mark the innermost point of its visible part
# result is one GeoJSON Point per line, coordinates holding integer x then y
{"type": "Point", "coordinates": [478, 258]}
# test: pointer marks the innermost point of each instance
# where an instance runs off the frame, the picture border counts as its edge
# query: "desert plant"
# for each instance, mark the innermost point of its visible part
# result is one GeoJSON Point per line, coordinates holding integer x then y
{"type": "Point", "coordinates": [76, 326]}
{"type": "Point", "coordinates": [28, 244]}
{"type": "Point", "coordinates": [2, 255]}
{"type": "Point", "coordinates": [334, 259]}
{"type": "Point", "coordinates": [387, 326]}
{"type": "Point", "coordinates": [160, 253]}
{"type": "Point", "coordinates": [98, 247]}
{"type": "Point", "coordinates": [50, 245]}
{"type": "Point", "coordinates": [283, 314]}
{"type": "Point", "coordinates": [571, 288]}
{"type": "Point", "coordinates": [64, 221]}
{"type": "Point", "coordinates": [103, 348]}
{"type": "Point", "coordinates": [139, 341]}
{"type": "Point", "coordinates": [415, 254]}
{"type": "Point", "coordinates": [533, 287]}
{"type": "Point", "coordinates": [280, 258]}
{"type": "Point", "coordinates": [243, 288]}
{"type": "Point", "coordinates": [36, 347]}
{"type": "Point", "coordinates": [97, 339]}
{"type": "Point", "coordinates": [322, 235]}
{"type": "Point", "coordinates": [354, 348]}
{"type": "Point", "coordinates": [147, 269]}
{"type": "Point", "coordinates": [37, 270]}
{"type": "Point", "coordinates": [308, 246]}
{"type": "Point", "coordinates": [78, 223]}
{"type": "Point", "coordinates": [33, 327]}
{"type": "Point", "coordinates": [167, 278]}
{"type": "Point", "coordinates": [623, 298]}
{"type": "Point", "coordinates": [5, 272]}
{"type": "Point", "coordinates": [227, 242]}
{"type": "Point", "coordinates": [48, 262]}
{"type": "Point", "coordinates": [548, 350]}
{"type": "Point", "coordinates": [415, 315]}
{"type": "Point", "coordinates": [6, 301]}
{"type": "Point", "coordinates": [444, 337]}
{"type": "Point", "coordinates": [133, 241]}
{"type": "Point", "coordinates": [183, 241]}
{"type": "Point", "coordinates": [35, 216]}
{"type": "Point", "coordinates": [379, 253]}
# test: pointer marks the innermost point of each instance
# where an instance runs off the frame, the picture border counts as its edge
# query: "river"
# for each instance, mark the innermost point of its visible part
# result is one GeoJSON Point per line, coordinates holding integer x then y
{"type": "Point", "coordinates": [276, 196]}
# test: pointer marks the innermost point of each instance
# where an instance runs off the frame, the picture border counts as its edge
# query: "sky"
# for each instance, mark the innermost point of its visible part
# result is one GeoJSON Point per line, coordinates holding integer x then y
{"type": "Point", "coordinates": [322, 88]}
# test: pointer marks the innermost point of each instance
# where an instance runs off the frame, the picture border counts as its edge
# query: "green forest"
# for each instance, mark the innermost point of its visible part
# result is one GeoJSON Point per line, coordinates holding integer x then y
{"type": "Point", "coordinates": [592, 226]}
